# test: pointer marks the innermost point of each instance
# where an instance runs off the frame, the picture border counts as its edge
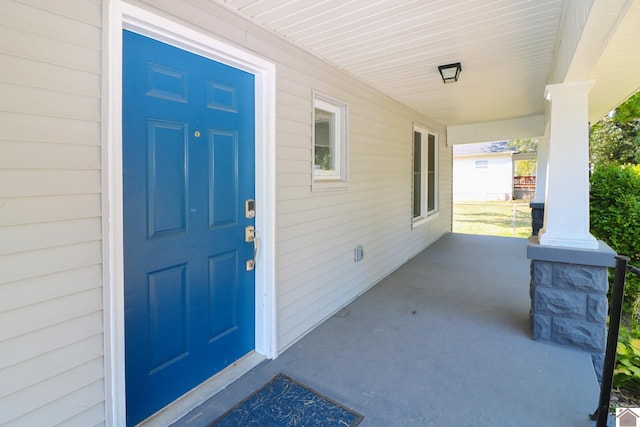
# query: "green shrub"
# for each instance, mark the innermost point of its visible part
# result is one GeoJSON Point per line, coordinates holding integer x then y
{"type": "Point", "coordinates": [627, 372]}
{"type": "Point", "coordinates": [615, 217]}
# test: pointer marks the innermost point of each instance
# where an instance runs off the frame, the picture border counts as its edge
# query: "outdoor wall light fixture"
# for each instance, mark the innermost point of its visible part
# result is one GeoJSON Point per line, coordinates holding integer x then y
{"type": "Point", "coordinates": [450, 72]}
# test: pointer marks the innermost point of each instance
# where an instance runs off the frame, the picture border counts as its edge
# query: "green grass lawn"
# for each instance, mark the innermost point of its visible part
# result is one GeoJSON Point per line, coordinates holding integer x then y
{"type": "Point", "coordinates": [494, 218]}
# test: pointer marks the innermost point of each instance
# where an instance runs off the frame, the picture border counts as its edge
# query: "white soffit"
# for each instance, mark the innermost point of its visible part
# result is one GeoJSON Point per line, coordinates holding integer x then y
{"type": "Point", "coordinates": [506, 48]}
{"type": "Point", "coordinates": [617, 72]}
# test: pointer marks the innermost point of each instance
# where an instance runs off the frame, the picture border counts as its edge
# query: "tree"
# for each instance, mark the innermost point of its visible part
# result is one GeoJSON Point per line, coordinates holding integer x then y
{"type": "Point", "coordinates": [616, 138]}
{"type": "Point", "coordinates": [628, 110]}
{"type": "Point", "coordinates": [524, 145]}
{"type": "Point", "coordinates": [525, 167]}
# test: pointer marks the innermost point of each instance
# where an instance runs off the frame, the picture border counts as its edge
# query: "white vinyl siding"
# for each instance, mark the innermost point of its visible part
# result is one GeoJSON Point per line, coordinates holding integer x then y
{"type": "Point", "coordinates": [50, 197]}
{"type": "Point", "coordinates": [51, 335]}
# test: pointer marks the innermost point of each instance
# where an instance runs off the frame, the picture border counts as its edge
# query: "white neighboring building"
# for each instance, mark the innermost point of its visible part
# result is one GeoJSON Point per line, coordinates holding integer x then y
{"type": "Point", "coordinates": [483, 171]}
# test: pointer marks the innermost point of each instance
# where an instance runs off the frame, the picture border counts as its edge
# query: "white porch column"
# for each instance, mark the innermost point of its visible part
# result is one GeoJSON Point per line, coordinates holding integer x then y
{"type": "Point", "coordinates": [566, 215]}
{"type": "Point", "coordinates": [542, 163]}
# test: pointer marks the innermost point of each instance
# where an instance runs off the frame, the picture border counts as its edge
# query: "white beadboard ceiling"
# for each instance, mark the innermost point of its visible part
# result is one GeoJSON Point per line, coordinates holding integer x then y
{"type": "Point", "coordinates": [506, 48]}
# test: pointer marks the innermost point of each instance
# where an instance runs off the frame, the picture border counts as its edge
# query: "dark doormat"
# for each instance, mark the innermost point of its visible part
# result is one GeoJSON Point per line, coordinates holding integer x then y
{"type": "Point", "coordinates": [284, 402]}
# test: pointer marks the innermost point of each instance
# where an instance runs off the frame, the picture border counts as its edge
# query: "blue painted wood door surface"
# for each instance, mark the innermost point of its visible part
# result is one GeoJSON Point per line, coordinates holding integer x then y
{"type": "Point", "coordinates": [188, 167]}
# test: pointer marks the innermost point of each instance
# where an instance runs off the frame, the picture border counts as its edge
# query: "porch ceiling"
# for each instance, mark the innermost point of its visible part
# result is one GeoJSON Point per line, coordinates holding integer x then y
{"type": "Point", "coordinates": [507, 49]}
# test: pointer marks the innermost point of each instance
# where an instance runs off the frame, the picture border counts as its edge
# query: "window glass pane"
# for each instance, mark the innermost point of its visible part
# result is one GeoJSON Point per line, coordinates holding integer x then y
{"type": "Point", "coordinates": [417, 174]}
{"type": "Point", "coordinates": [324, 140]}
{"type": "Point", "coordinates": [417, 151]}
{"type": "Point", "coordinates": [416, 195]}
{"type": "Point", "coordinates": [431, 173]}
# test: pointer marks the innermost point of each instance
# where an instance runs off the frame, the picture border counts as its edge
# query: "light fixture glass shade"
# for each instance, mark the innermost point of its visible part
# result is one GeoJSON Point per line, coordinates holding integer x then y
{"type": "Point", "coordinates": [450, 72]}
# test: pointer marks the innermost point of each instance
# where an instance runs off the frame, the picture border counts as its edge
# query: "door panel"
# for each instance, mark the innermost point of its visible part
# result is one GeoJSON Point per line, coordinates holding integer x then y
{"type": "Point", "coordinates": [223, 149]}
{"type": "Point", "coordinates": [188, 167]}
{"type": "Point", "coordinates": [167, 182]}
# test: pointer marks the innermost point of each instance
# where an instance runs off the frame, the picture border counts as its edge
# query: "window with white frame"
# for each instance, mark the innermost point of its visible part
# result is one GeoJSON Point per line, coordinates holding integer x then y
{"type": "Point", "coordinates": [329, 143]}
{"type": "Point", "coordinates": [425, 174]}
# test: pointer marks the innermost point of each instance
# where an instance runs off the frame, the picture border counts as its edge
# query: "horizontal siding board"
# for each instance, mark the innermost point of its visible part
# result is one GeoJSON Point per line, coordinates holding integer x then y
{"type": "Point", "coordinates": [25, 127]}
{"type": "Point", "coordinates": [308, 258]}
{"type": "Point", "coordinates": [294, 114]}
{"type": "Point", "coordinates": [286, 166]}
{"type": "Point", "coordinates": [37, 47]}
{"type": "Point", "coordinates": [346, 211]}
{"type": "Point", "coordinates": [38, 316]}
{"type": "Point", "coordinates": [30, 372]}
{"type": "Point", "coordinates": [322, 228]}
{"type": "Point", "coordinates": [87, 11]}
{"type": "Point", "coordinates": [31, 210]}
{"type": "Point", "coordinates": [54, 395]}
{"type": "Point", "coordinates": [46, 261]}
{"type": "Point", "coordinates": [293, 193]}
{"type": "Point", "coordinates": [296, 99]}
{"type": "Point", "coordinates": [293, 179]}
{"type": "Point", "coordinates": [40, 102]}
{"type": "Point", "coordinates": [355, 230]}
{"type": "Point", "coordinates": [48, 339]}
{"type": "Point", "coordinates": [47, 235]}
{"type": "Point", "coordinates": [56, 285]}
{"type": "Point", "coordinates": [21, 183]}
{"type": "Point", "coordinates": [294, 128]}
{"type": "Point", "coordinates": [294, 153]}
{"type": "Point", "coordinates": [52, 25]}
{"type": "Point", "coordinates": [37, 74]}
{"type": "Point", "coordinates": [93, 416]}
{"type": "Point", "coordinates": [41, 155]}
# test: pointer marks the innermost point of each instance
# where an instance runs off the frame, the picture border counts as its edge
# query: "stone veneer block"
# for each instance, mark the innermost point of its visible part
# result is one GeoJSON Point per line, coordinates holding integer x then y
{"type": "Point", "coordinates": [542, 273]}
{"type": "Point", "coordinates": [584, 278]}
{"type": "Point", "coordinates": [582, 335]}
{"type": "Point", "coordinates": [541, 326]}
{"type": "Point", "coordinates": [597, 307]}
{"type": "Point", "coordinates": [532, 289]}
{"type": "Point", "coordinates": [560, 303]}
{"type": "Point", "coordinates": [598, 364]}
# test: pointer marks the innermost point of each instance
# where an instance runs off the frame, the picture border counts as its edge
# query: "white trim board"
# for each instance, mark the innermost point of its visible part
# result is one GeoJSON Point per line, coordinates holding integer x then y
{"type": "Point", "coordinates": [119, 15]}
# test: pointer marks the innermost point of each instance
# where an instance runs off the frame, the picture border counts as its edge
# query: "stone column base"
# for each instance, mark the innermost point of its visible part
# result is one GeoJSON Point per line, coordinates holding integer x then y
{"type": "Point", "coordinates": [569, 297]}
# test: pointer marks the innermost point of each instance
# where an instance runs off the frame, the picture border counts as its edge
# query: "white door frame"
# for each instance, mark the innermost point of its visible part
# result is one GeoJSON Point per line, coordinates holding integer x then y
{"type": "Point", "coordinates": [119, 15]}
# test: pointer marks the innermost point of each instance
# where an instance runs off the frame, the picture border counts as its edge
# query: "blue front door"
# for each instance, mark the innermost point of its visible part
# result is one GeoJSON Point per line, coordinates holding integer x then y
{"type": "Point", "coordinates": [188, 168]}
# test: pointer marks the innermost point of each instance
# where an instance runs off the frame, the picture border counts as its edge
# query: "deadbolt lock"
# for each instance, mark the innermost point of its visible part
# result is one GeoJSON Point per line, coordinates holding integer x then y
{"type": "Point", "coordinates": [249, 208]}
{"type": "Point", "coordinates": [249, 233]}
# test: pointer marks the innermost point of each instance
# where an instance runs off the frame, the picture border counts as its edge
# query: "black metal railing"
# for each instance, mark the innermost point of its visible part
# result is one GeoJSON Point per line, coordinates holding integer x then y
{"type": "Point", "coordinates": [615, 313]}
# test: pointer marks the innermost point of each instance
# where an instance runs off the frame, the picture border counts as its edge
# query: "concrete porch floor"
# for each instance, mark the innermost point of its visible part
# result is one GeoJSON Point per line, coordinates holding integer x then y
{"type": "Point", "coordinates": [444, 340]}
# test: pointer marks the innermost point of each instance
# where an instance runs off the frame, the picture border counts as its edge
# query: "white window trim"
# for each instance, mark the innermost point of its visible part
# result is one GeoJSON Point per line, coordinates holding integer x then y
{"type": "Point", "coordinates": [425, 216]}
{"type": "Point", "coordinates": [337, 177]}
